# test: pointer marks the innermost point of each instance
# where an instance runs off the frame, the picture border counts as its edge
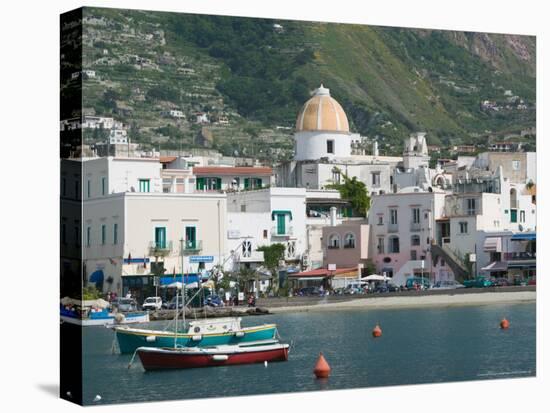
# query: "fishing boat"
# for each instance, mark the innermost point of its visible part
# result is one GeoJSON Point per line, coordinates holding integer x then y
{"type": "Point", "coordinates": [224, 355]}
{"type": "Point", "coordinates": [96, 313]}
{"type": "Point", "coordinates": [200, 333]}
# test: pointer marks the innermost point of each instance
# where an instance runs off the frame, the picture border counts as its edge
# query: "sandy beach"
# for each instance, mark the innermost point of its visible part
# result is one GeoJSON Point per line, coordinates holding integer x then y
{"type": "Point", "coordinates": [441, 300]}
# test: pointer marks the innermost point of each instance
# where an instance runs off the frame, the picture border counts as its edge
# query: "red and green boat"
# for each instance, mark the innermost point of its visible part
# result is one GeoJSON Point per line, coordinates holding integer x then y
{"type": "Point", "coordinates": [223, 355]}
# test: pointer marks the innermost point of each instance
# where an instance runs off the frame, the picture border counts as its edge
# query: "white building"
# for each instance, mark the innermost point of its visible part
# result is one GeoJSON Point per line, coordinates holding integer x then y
{"type": "Point", "coordinates": [403, 228]}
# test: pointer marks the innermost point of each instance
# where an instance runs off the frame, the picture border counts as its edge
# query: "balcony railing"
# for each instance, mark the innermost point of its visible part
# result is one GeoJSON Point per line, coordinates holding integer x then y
{"type": "Point", "coordinates": [393, 228]}
{"type": "Point", "coordinates": [252, 256]}
{"type": "Point", "coordinates": [520, 256]}
{"type": "Point", "coordinates": [191, 246]}
{"type": "Point", "coordinates": [415, 226]}
{"type": "Point", "coordinates": [287, 232]}
{"type": "Point", "coordinates": [160, 249]}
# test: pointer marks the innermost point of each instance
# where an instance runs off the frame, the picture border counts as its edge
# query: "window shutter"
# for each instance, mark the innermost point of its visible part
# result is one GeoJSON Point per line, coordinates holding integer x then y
{"type": "Point", "coordinates": [218, 183]}
{"type": "Point", "coordinates": [246, 183]}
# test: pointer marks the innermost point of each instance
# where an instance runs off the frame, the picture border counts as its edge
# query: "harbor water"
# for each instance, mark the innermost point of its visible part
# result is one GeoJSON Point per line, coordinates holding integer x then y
{"type": "Point", "coordinates": [418, 345]}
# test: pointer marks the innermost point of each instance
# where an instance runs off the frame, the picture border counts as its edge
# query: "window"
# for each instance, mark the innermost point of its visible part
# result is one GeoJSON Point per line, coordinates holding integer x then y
{"type": "Point", "coordinates": [291, 249]}
{"type": "Point", "coordinates": [243, 208]}
{"type": "Point", "coordinates": [144, 185]}
{"type": "Point", "coordinates": [190, 237]}
{"type": "Point", "coordinates": [103, 234]}
{"type": "Point", "coordinates": [160, 237]}
{"type": "Point", "coordinates": [521, 216]}
{"type": "Point", "coordinates": [336, 176]}
{"type": "Point", "coordinates": [413, 255]}
{"type": "Point", "coordinates": [515, 165]}
{"type": "Point", "coordinates": [463, 227]}
{"type": "Point", "coordinates": [415, 240]}
{"type": "Point", "coordinates": [103, 186]}
{"type": "Point", "coordinates": [375, 179]}
{"type": "Point", "coordinates": [265, 233]}
{"type": "Point", "coordinates": [88, 236]}
{"type": "Point", "coordinates": [349, 241]}
{"type": "Point", "coordinates": [380, 219]}
{"type": "Point", "coordinates": [88, 188]}
{"type": "Point", "coordinates": [115, 233]}
{"type": "Point", "coordinates": [281, 224]}
{"type": "Point", "coordinates": [416, 215]}
{"type": "Point", "coordinates": [334, 241]}
{"type": "Point", "coordinates": [393, 216]}
{"type": "Point", "coordinates": [393, 246]}
{"type": "Point", "coordinates": [380, 245]}
{"type": "Point", "coordinates": [330, 146]}
{"type": "Point", "coordinates": [247, 249]}
{"type": "Point", "coordinates": [471, 206]}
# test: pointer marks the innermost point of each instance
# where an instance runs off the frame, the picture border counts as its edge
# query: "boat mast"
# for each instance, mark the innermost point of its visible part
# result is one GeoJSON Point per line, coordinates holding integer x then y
{"type": "Point", "coordinates": [183, 283]}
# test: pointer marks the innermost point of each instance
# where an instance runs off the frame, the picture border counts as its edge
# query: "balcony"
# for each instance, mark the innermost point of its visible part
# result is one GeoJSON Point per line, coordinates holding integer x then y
{"type": "Point", "coordinates": [253, 256]}
{"type": "Point", "coordinates": [393, 228]}
{"type": "Point", "coordinates": [160, 249]}
{"type": "Point", "coordinates": [288, 231]}
{"type": "Point", "coordinates": [415, 226]}
{"type": "Point", "coordinates": [520, 256]}
{"type": "Point", "coordinates": [191, 246]}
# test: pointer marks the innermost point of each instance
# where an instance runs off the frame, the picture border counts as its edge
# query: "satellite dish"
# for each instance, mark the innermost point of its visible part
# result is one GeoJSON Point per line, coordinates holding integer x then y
{"type": "Point", "coordinates": [520, 227]}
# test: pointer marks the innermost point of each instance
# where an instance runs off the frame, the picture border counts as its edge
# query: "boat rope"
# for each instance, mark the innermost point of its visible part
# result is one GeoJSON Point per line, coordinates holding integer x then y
{"type": "Point", "coordinates": [132, 359]}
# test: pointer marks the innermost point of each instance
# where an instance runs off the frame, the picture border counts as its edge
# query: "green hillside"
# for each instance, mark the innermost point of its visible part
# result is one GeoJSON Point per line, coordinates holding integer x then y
{"type": "Point", "coordinates": [256, 76]}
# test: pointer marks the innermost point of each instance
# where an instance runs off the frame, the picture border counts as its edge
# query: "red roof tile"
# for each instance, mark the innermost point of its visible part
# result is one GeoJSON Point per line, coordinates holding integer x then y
{"type": "Point", "coordinates": [231, 170]}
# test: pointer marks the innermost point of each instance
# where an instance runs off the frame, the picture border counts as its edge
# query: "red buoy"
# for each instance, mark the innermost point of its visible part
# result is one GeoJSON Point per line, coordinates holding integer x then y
{"type": "Point", "coordinates": [377, 331]}
{"type": "Point", "coordinates": [322, 369]}
{"type": "Point", "coordinates": [504, 324]}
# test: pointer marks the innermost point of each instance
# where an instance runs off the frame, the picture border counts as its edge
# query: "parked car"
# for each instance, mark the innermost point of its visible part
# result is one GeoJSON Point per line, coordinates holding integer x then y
{"type": "Point", "coordinates": [532, 281]}
{"type": "Point", "coordinates": [172, 303]}
{"type": "Point", "coordinates": [447, 285]}
{"type": "Point", "coordinates": [309, 291]}
{"type": "Point", "coordinates": [125, 304]}
{"type": "Point", "coordinates": [152, 303]}
{"type": "Point", "coordinates": [414, 283]}
{"type": "Point", "coordinates": [501, 282]}
{"type": "Point", "coordinates": [386, 288]}
{"type": "Point", "coordinates": [478, 282]}
{"type": "Point", "coordinates": [214, 301]}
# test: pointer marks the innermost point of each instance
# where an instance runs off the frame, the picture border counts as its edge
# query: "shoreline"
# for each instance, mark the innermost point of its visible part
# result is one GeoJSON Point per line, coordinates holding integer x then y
{"type": "Point", "coordinates": [396, 302]}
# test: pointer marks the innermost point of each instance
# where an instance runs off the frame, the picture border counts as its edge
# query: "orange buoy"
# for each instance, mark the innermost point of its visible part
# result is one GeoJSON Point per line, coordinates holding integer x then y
{"type": "Point", "coordinates": [322, 369]}
{"type": "Point", "coordinates": [504, 324]}
{"type": "Point", "coordinates": [377, 331]}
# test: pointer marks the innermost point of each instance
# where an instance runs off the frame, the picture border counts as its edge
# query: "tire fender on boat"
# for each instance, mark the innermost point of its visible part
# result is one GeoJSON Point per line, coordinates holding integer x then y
{"type": "Point", "coordinates": [197, 337]}
{"type": "Point", "coordinates": [220, 357]}
{"type": "Point", "coordinates": [151, 339]}
{"type": "Point", "coordinates": [239, 334]}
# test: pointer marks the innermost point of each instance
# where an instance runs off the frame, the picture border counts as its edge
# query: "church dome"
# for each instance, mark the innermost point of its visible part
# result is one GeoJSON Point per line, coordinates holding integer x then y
{"type": "Point", "coordinates": [322, 113]}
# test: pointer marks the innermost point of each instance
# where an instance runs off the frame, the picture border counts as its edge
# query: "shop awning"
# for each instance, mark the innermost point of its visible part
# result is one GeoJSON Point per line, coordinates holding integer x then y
{"type": "Point", "coordinates": [280, 212]}
{"type": "Point", "coordinates": [189, 279]}
{"type": "Point", "coordinates": [492, 244]}
{"type": "Point", "coordinates": [308, 278]}
{"type": "Point", "coordinates": [496, 266]}
{"type": "Point", "coordinates": [97, 277]}
{"type": "Point", "coordinates": [525, 236]}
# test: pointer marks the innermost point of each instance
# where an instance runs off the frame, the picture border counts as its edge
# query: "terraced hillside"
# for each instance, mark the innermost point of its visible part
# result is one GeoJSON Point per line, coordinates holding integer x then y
{"type": "Point", "coordinates": [250, 77]}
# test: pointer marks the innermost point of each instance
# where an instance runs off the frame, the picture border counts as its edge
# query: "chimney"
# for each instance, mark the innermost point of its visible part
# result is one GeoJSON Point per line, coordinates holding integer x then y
{"type": "Point", "coordinates": [375, 148]}
{"type": "Point", "coordinates": [332, 216]}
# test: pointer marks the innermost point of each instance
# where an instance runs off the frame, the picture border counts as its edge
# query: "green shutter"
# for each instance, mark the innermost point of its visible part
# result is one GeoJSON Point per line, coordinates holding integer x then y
{"type": "Point", "coordinates": [190, 237]}
{"type": "Point", "coordinates": [200, 184]}
{"type": "Point", "coordinates": [160, 237]}
{"type": "Point", "coordinates": [281, 224]}
{"type": "Point", "coordinates": [513, 215]}
{"type": "Point", "coordinates": [246, 183]}
{"type": "Point", "coordinates": [259, 182]}
{"type": "Point", "coordinates": [218, 183]}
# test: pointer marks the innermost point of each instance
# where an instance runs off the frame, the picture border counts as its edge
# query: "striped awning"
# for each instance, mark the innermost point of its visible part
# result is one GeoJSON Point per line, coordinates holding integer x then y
{"type": "Point", "coordinates": [492, 244]}
{"type": "Point", "coordinates": [525, 236]}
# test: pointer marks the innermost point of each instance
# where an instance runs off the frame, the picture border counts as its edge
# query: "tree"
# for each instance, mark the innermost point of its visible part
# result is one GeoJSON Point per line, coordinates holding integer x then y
{"type": "Point", "coordinates": [272, 255]}
{"type": "Point", "coordinates": [354, 191]}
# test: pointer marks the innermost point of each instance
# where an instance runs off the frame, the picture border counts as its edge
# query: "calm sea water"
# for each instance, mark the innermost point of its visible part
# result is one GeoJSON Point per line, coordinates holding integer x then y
{"type": "Point", "coordinates": [422, 345]}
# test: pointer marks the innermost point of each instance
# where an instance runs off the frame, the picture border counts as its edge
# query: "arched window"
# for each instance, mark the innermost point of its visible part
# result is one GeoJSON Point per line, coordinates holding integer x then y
{"type": "Point", "coordinates": [349, 240]}
{"type": "Point", "coordinates": [334, 241]}
{"type": "Point", "coordinates": [393, 245]}
{"type": "Point", "coordinates": [415, 240]}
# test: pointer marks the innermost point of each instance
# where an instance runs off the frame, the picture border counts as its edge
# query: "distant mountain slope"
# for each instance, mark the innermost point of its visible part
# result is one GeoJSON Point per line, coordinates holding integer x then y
{"type": "Point", "coordinates": [256, 73]}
